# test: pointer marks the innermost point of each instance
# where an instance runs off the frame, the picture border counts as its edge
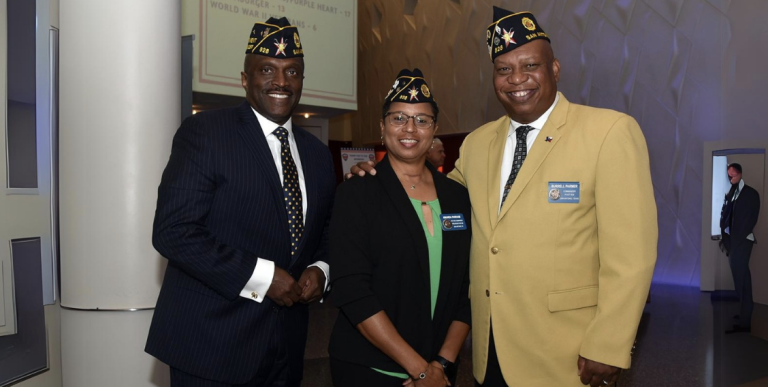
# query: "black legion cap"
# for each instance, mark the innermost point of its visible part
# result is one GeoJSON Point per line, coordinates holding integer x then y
{"type": "Point", "coordinates": [511, 30]}
{"type": "Point", "coordinates": [410, 87]}
{"type": "Point", "coordinates": [275, 38]}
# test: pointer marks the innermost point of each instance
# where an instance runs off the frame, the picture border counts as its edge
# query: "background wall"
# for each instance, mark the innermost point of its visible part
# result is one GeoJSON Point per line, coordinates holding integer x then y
{"type": "Point", "coordinates": [29, 215]}
{"type": "Point", "coordinates": [687, 70]}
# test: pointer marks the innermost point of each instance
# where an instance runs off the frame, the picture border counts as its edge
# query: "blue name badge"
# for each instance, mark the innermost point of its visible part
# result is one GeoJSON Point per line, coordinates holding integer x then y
{"type": "Point", "coordinates": [453, 222]}
{"type": "Point", "coordinates": [564, 191]}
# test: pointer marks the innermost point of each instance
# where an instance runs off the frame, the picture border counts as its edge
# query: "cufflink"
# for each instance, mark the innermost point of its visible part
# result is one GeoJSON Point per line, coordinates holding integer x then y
{"type": "Point", "coordinates": [254, 295]}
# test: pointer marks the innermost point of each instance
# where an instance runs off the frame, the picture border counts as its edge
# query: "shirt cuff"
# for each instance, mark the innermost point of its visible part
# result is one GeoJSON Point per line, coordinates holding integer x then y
{"type": "Point", "coordinates": [326, 270]}
{"type": "Point", "coordinates": [261, 279]}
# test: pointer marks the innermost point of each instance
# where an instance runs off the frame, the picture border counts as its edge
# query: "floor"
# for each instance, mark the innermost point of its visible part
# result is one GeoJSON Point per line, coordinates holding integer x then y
{"type": "Point", "coordinates": [681, 343]}
{"type": "Point", "coordinates": [739, 359]}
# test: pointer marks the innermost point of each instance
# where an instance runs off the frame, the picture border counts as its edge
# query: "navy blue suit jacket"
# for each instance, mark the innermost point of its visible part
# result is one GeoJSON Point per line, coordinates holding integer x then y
{"type": "Point", "coordinates": [746, 209]}
{"type": "Point", "coordinates": [219, 208]}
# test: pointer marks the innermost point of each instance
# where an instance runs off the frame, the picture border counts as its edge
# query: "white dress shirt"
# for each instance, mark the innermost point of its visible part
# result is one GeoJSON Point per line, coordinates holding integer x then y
{"type": "Point", "coordinates": [511, 144]}
{"type": "Point", "coordinates": [261, 279]}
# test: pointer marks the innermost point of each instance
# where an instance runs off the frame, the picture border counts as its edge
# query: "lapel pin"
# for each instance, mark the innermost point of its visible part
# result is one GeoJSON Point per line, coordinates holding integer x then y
{"type": "Point", "coordinates": [548, 139]}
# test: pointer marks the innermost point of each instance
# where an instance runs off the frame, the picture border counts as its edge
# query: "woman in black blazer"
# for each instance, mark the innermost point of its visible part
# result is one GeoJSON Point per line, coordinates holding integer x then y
{"type": "Point", "coordinates": [399, 251]}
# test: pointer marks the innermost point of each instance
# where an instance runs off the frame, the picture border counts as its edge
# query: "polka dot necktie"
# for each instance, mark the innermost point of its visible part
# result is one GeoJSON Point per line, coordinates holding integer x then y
{"type": "Point", "coordinates": [291, 190]}
{"type": "Point", "coordinates": [521, 150]}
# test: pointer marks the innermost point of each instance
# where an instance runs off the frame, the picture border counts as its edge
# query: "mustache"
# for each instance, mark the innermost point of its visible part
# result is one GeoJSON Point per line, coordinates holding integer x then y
{"type": "Point", "coordinates": [279, 89]}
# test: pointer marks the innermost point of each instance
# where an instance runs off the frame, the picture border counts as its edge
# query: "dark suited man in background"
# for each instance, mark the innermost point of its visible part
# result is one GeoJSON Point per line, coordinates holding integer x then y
{"type": "Point", "coordinates": [737, 221]}
{"type": "Point", "coordinates": [242, 212]}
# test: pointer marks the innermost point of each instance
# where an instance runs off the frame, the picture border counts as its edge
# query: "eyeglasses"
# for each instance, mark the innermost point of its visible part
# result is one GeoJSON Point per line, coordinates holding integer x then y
{"type": "Point", "coordinates": [399, 119]}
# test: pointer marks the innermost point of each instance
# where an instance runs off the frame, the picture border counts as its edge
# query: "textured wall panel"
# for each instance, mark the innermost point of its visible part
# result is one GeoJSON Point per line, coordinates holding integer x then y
{"type": "Point", "coordinates": [672, 64]}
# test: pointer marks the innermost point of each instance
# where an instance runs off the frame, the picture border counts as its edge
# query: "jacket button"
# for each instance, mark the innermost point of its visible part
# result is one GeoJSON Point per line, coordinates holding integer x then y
{"type": "Point", "coordinates": [495, 250]}
{"type": "Point", "coordinates": [487, 293]}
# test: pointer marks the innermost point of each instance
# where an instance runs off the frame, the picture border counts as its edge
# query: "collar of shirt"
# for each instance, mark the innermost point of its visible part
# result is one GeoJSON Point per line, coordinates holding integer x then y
{"type": "Point", "coordinates": [539, 123]}
{"type": "Point", "coordinates": [268, 126]}
{"type": "Point", "coordinates": [741, 188]}
{"type": "Point", "coordinates": [511, 143]}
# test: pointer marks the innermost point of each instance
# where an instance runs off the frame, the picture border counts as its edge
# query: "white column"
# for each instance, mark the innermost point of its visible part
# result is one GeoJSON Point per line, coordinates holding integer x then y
{"type": "Point", "coordinates": [119, 107]}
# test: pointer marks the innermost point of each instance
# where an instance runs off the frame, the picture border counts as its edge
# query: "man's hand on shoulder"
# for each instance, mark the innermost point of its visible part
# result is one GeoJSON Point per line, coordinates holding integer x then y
{"type": "Point", "coordinates": [361, 169]}
{"type": "Point", "coordinates": [593, 373]}
{"type": "Point", "coordinates": [312, 284]}
{"type": "Point", "coordinates": [284, 290]}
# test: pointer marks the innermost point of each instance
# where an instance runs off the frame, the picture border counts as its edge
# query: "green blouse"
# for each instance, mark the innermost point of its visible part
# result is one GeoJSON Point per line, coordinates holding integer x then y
{"type": "Point", "coordinates": [435, 245]}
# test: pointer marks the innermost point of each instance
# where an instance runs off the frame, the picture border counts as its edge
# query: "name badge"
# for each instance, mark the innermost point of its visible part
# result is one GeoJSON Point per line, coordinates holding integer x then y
{"type": "Point", "coordinates": [564, 191]}
{"type": "Point", "coordinates": [453, 222]}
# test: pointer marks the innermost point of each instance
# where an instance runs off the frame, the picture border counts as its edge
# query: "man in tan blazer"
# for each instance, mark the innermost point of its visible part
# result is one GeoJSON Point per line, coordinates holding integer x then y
{"type": "Point", "coordinates": [564, 226]}
{"type": "Point", "coordinates": [561, 270]}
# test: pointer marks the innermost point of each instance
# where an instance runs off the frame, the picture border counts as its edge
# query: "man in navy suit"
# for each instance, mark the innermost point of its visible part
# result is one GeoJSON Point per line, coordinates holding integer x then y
{"type": "Point", "coordinates": [738, 218]}
{"type": "Point", "coordinates": [242, 213]}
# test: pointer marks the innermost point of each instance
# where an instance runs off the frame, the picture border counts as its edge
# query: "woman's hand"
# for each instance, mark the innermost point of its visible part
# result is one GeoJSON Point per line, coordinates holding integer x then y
{"type": "Point", "coordinates": [435, 377]}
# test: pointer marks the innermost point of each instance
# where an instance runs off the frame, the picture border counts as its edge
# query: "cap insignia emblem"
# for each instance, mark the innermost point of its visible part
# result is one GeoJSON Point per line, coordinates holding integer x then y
{"type": "Point", "coordinates": [508, 37]}
{"type": "Point", "coordinates": [281, 45]}
{"type": "Point", "coordinates": [528, 24]}
{"type": "Point", "coordinates": [414, 93]}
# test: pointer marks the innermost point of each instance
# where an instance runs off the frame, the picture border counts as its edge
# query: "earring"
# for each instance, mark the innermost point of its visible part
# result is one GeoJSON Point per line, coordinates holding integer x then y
{"type": "Point", "coordinates": [382, 139]}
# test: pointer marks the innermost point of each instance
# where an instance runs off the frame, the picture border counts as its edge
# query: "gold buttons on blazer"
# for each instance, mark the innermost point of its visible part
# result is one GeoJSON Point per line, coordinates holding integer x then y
{"type": "Point", "coordinates": [487, 293]}
{"type": "Point", "coordinates": [495, 250]}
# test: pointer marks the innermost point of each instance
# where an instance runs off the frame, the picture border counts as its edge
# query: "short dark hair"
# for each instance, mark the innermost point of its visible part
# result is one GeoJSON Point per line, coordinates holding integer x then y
{"type": "Point", "coordinates": [385, 109]}
{"type": "Point", "coordinates": [735, 166]}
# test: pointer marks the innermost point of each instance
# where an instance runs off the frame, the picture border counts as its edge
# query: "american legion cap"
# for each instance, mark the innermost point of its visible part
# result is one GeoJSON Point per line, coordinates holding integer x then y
{"type": "Point", "coordinates": [511, 30]}
{"type": "Point", "coordinates": [410, 87]}
{"type": "Point", "coordinates": [275, 38]}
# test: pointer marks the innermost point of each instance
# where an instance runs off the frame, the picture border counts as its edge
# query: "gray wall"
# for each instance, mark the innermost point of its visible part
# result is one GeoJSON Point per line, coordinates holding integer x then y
{"type": "Point", "coordinates": [745, 78]}
{"type": "Point", "coordinates": [689, 71]}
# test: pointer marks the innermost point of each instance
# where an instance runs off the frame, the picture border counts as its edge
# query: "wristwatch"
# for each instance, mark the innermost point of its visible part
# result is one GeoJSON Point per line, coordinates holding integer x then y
{"type": "Point", "coordinates": [448, 367]}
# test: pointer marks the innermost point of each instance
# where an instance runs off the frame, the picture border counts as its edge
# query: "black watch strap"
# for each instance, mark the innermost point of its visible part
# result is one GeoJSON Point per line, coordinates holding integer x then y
{"type": "Point", "coordinates": [448, 367]}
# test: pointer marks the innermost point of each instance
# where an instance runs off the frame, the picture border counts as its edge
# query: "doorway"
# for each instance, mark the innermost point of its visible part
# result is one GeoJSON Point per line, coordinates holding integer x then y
{"type": "Point", "coordinates": [715, 271]}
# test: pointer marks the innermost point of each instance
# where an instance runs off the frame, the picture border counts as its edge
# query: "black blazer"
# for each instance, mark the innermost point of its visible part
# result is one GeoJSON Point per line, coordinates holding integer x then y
{"type": "Point", "coordinates": [380, 262]}
{"type": "Point", "coordinates": [219, 207]}
{"type": "Point", "coordinates": [746, 209]}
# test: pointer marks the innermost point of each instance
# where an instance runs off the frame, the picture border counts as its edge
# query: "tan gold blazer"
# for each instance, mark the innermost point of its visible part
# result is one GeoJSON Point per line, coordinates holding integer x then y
{"type": "Point", "coordinates": [560, 279]}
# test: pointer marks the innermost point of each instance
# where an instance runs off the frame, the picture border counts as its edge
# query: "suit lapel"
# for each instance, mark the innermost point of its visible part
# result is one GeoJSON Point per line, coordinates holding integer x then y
{"type": "Point", "coordinates": [391, 185]}
{"type": "Point", "coordinates": [539, 152]}
{"type": "Point", "coordinates": [448, 261]}
{"type": "Point", "coordinates": [253, 136]}
{"type": "Point", "coordinates": [495, 158]}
